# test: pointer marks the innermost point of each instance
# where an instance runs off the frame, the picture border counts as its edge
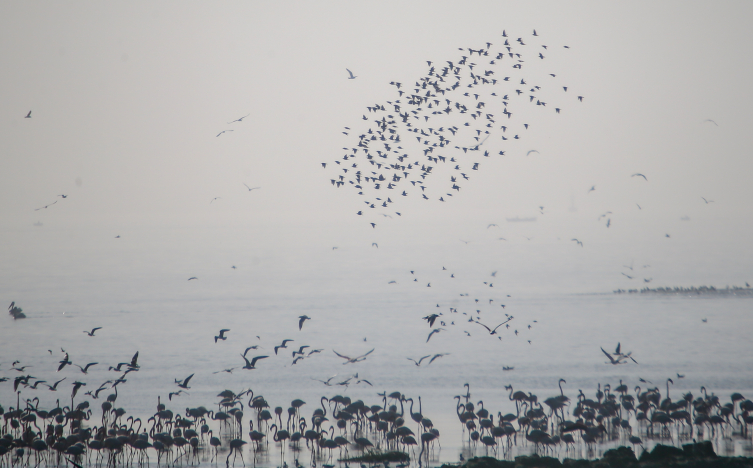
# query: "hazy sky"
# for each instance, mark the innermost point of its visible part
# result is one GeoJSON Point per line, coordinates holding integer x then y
{"type": "Point", "coordinates": [127, 100]}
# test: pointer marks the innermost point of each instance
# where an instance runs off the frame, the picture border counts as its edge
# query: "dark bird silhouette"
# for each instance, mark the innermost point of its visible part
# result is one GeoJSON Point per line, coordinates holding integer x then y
{"type": "Point", "coordinates": [353, 360]}
{"type": "Point", "coordinates": [707, 201]}
{"type": "Point", "coordinates": [302, 318]}
{"type": "Point", "coordinates": [54, 387]}
{"type": "Point", "coordinates": [431, 318]}
{"type": "Point", "coordinates": [221, 336]}
{"type": "Point", "coordinates": [418, 363]}
{"type": "Point", "coordinates": [37, 209]}
{"type": "Point", "coordinates": [252, 364]}
{"type": "Point", "coordinates": [134, 361]}
{"type": "Point", "coordinates": [494, 331]}
{"type": "Point", "coordinates": [64, 362]}
{"type": "Point", "coordinates": [76, 386]}
{"type": "Point", "coordinates": [436, 356]}
{"type": "Point", "coordinates": [91, 333]}
{"type": "Point", "coordinates": [192, 278]}
{"type": "Point", "coordinates": [532, 151]}
{"type": "Point", "coordinates": [352, 76]}
{"type": "Point", "coordinates": [579, 242]}
{"type": "Point", "coordinates": [172, 394]}
{"type": "Point", "coordinates": [240, 119]}
{"type": "Point", "coordinates": [249, 188]}
{"type": "Point", "coordinates": [436, 330]}
{"type": "Point", "coordinates": [184, 383]}
{"type": "Point", "coordinates": [639, 175]}
{"type": "Point", "coordinates": [85, 369]}
{"type": "Point", "coordinates": [28, 116]}
{"type": "Point", "coordinates": [300, 351]}
{"type": "Point", "coordinates": [224, 132]}
{"type": "Point", "coordinates": [283, 345]}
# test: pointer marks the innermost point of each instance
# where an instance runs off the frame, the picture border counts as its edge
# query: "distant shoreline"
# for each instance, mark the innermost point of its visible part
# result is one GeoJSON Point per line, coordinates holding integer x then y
{"type": "Point", "coordinates": [693, 290]}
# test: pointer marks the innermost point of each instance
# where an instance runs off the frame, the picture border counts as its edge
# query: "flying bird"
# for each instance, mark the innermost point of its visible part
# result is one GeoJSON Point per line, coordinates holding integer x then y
{"type": "Point", "coordinates": [283, 345]}
{"type": "Point", "coordinates": [91, 333]}
{"type": "Point", "coordinates": [252, 364]}
{"type": "Point", "coordinates": [302, 318]}
{"type": "Point", "coordinates": [192, 278]}
{"type": "Point", "coordinates": [639, 175]}
{"type": "Point", "coordinates": [352, 76]}
{"type": "Point", "coordinates": [707, 120]}
{"type": "Point", "coordinates": [436, 330]}
{"type": "Point", "coordinates": [418, 363]}
{"type": "Point", "coordinates": [85, 369]}
{"type": "Point", "coordinates": [28, 116]}
{"type": "Point", "coordinates": [707, 201]}
{"type": "Point", "coordinates": [249, 188]}
{"type": "Point", "coordinates": [350, 360]}
{"type": "Point", "coordinates": [37, 209]}
{"type": "Point", "coordinates": [184, 383]}
{"type": "Point", "coordinates": [172, 394]}
{"type": "Point", "coordinates": [532, 151]}
{"type": "Point", "coordinates": [221, 336]}
{"type": "Point", "coordinates": [431, 318]}
{"type": "Point", "coordinates": [240, 119]}
{"type": "Point", "coordinates": [224, 132]}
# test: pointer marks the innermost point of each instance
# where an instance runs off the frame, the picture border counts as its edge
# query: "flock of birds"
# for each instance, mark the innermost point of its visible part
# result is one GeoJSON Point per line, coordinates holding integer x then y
{"type": "Point", "coordinates": [452, 112]}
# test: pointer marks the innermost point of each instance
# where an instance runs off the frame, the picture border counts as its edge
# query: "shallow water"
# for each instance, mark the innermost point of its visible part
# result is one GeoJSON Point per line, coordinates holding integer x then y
{"type": "Point", "coordinates": [141, 298]}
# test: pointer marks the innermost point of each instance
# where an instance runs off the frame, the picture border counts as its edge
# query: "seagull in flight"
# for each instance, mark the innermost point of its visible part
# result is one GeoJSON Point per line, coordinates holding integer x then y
{"type": "Point", "coordinates": [249, 188]}
{"type": "Point", "coordinates": [639, 175]}
{"type": "Point", "coordinates": [91, 333]}
{"type": "Point", "coordinates": [436, 330]}
{"type": "Point", "coordinates": [579, 242]}
{"type": "Point", "coordinates": [532, 151]}
{"type": "Point", "coordinates": [283, 345]}
{"type": "Point", "coordinates": [221, 336]}
{"type": "Point", "coordinates": [350, 360]}
{"type": "Point", "coordinates": [252, 363]}
{"type": "Point", "coordinates": [302, 318]}
{"type": "Point", "coordinates": [85, 369]}
{"type": "Point", "coordinates": [239, 120]}
{"type": "Point", "coordinates": [37, 209]}
{"type": "Point", "coordinates": [707, 201]}
{"type": "Point", "coordinates": [28, 116]}
{"type": "Point", "coordinates": [352, 76]}
{"type": "Point", "coordinates": [192, 278]}
{"type": "Point", "coordinates": [184, 382]}
{"type": "Point", "coordinates": [224, 132]}
{"type": "Point", "coordinates": [418, 363]}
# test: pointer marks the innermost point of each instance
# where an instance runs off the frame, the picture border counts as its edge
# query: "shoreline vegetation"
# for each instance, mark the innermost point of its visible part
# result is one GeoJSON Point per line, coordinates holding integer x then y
{"type": "Point", "coordinates": [697, 455]}
{"type": "Point", "coordinates": [695, 291]}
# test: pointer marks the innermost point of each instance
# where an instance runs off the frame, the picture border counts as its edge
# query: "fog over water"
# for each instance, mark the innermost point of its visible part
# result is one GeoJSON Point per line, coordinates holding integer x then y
{"type": "Point", "coordinates": [127, 103]}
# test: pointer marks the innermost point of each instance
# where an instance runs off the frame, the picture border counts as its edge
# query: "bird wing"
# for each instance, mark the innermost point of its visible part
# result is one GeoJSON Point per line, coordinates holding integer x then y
{"type": "Point", "coordinates": [90, 364]}
{"type": "Point", "coordinates": [364, 355]}
{"type": "Point", "coordinates": [437, 356]}
{"type": "Point", "coordinates": [285, 341]}
{"type": "Point", "coordinates": [344, 357]}
{"type": "Point", "coordinates": [365, 381]}
{"type": "Point", "coordinates": [185, 382]}
{"type": "Point", "coordinates": [421, 360]}
{"type": "Point", "coordinates": [617, 351]}
{"type": "Point", "coordinates": [253, 361]}
{"type": "Point", "coordinates": [489, 329]}
{"type": "Point", "coordinates": [134, 359]}
{"type": "Point", "coordinates": [609, 356]}
{"type": "Point", "coordinates": [350, 72]}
